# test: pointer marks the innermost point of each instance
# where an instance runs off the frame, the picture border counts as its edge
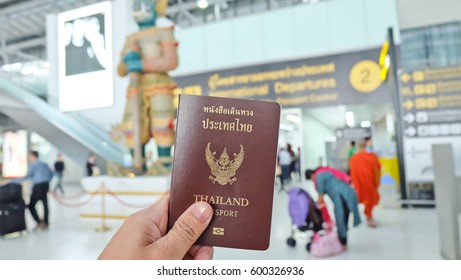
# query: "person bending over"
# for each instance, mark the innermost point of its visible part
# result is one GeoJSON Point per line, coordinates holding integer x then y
{"type": "Point", "coordinates": [344, 199]}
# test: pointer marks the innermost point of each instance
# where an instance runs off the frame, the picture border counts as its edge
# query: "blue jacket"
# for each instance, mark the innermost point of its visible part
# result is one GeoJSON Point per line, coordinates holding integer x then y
{"type": "Point", "coordinates": [39, 172]}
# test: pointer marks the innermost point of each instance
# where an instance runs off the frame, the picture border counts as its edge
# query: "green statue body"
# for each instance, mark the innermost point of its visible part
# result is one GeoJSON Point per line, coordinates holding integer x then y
{"type": "Point", "coordinates": [146, 58]}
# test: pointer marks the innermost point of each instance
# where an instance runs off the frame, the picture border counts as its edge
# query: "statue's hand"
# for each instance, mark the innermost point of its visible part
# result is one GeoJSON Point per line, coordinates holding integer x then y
{"type": "Point", "coordinates": [130, 56]}
{"type": "Point", "coordinates": [134, 65]}
{"type": "Point", "coordinates": [133, 62]}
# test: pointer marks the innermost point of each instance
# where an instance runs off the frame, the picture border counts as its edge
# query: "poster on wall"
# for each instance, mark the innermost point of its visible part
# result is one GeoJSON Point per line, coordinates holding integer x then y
{"type": "Point", "coordinates": [14, 154]}
{"type": "Point", "coordinates": [85, 58]}
{"type": "Point", "coordinates": [419, 164]}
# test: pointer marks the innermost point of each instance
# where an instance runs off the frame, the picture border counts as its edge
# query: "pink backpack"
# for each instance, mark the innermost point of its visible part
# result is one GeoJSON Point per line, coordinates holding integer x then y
{"type": "Point", "coordinates": [326, 245]}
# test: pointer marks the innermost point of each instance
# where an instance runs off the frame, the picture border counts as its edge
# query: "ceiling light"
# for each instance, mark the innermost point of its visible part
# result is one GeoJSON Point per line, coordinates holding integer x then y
{"type": "Point", "coordinates": [27, 70]}
{"type": "Point", "coordinates": [293, 118]}
{"type": "Point", "coordinates": [15, 67]}
{"type": "Point", "coordinates": [286, 127]}
{"type": "Point", "coordinates": [365, 124]}
{"type": "Point", "coordinates": [202, 4]}
{"type": "Point", "coordinates": [350, 119]}
{"type": "Point", "coordinates": [6, 67]}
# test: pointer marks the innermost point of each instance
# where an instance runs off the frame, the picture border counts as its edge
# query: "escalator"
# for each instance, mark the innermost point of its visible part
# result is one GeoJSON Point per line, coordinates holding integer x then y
{"type": "Point", "coordinates": [69, 132]}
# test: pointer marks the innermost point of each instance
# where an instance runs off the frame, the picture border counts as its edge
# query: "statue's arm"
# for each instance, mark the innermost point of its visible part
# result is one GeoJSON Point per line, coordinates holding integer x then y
{"type": "Point", "coordinates": [167, 62]}
{"type": "Point", "coordinates": [121, 68]}
{"type": "Point", "coordinates": [169, 59]}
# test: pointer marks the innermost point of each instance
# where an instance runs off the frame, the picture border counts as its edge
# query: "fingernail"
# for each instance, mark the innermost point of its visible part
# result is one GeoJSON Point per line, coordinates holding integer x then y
{"type": "Point", "coordinates": [199, 210]}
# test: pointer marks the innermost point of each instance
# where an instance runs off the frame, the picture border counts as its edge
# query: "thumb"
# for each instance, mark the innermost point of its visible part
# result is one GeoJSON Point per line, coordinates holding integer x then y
{"type": "Point", "coordinates": [185, 231]}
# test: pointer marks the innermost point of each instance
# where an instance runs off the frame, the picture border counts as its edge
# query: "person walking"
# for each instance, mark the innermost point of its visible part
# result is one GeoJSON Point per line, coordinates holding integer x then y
{"type": "Point", "coordinates": [40, 174]}
{"type": "Point", "coordinates": [285, 162]}
{"type": "Point", "coordinates": [91, 166]}
{"type": "Point", "coordinates": [365, 174]}
{"type": "Point", "coordinates": [350, 153]}
{"type": "Point", "coordinates": [298, 164]}
{"type": "Point", "coordinates": [59, 168]}
{"type": "Point", "coordinates": [293, 158]}
{"type": "Point", "coordinates": [278, 174]}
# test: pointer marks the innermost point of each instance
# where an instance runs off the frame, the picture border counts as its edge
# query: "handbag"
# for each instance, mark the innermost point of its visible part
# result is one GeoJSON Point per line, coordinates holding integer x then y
{"type": "Point", "coordinates": [326, 245]}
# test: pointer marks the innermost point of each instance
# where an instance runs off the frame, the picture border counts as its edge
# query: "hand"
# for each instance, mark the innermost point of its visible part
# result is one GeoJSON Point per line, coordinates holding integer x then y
{"type": "Point", "coordinates": [133, 61]}
{"type": "Point", "coordinates": [143, 235]}
{"type": "Point", "coordinates": [320, 201]}
{"type": "Point", "coordinates": [134, 66]}
{"type": "Point", "coordinates": [130, 56]}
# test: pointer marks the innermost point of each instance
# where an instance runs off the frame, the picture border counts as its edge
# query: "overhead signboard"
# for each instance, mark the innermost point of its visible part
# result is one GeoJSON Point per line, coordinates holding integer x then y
{"type": "Point", "coordinates": [356, 133]}
{"type": "Point", "coordinates": [341, 79]}
{"type": "Point", "coordinates": [432, 102]}
{"type": "Point", "coordinates": [85, 58]}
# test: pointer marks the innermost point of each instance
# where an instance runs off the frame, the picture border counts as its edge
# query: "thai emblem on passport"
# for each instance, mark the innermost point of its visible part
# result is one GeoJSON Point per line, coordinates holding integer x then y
{"type": "Point", "coordinates": [218, 231]}
{"type": "Point", "coordinates": [223, 169]}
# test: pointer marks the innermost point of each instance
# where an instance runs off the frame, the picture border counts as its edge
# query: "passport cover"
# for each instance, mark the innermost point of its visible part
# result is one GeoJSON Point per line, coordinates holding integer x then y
{"type": "Point", "coordinates": [225, 154]}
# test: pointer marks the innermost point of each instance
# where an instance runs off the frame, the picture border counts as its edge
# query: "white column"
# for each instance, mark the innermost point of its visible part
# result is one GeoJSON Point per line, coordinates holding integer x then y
{"type": "Point", "coordinates": [446, 198]}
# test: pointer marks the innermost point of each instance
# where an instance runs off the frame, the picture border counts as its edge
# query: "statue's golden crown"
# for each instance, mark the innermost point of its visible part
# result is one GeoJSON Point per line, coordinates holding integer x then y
{"type": "Point", "coordinates": [161, 7]}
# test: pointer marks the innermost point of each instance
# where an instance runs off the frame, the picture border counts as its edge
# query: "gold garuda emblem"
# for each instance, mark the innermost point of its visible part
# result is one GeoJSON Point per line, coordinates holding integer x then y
{"type": "Point", "coordinates": [223, 169]}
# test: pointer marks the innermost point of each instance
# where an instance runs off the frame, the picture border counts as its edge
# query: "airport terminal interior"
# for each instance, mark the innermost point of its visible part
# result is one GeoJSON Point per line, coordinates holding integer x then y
{"type": "Point", "coordinates": [370, 123]}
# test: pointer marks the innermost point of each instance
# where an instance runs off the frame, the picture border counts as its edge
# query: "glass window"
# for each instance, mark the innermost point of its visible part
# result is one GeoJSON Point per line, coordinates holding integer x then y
{"type": "Point", "coordinates": [431, 47]}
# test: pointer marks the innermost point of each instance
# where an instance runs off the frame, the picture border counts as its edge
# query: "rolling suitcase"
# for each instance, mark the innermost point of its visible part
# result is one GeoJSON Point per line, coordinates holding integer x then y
{"type": "Point", "coordinates": [12, 217]}
{"type": "Point", "coordinates": [10, 193]}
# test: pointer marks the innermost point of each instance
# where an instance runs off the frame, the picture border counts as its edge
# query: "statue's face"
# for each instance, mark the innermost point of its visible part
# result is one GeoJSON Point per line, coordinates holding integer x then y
{"type": "Point", "coordinates": [144, 12]}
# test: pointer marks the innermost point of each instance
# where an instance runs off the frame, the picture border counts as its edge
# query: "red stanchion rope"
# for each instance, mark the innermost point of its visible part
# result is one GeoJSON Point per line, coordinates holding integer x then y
{"type": "Point", "coordinates": [76, 205]}
{"type": "Point", "coordinates": [61, 199]}
{"type": "Point", "coordinates": [119, 200]}
{"type": "Point", "coordinates": [80, 194]}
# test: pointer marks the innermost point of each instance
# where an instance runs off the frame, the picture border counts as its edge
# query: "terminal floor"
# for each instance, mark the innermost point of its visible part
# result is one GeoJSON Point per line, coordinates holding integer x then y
{"type": "Point", "coordinates": [402, 234]}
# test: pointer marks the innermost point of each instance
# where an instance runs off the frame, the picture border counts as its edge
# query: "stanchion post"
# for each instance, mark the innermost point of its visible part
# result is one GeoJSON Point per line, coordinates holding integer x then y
{"type": "Point", "coordinates": [103, 227]}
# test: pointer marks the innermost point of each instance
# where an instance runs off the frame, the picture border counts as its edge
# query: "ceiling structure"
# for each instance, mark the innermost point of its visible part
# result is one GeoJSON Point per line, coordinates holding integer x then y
{"type": "Point", "coordinates": [23, 22]}
{"type": "Point", "coordinates": [23, 27]}
{"type": "Point", "coordinates": [334, 117]}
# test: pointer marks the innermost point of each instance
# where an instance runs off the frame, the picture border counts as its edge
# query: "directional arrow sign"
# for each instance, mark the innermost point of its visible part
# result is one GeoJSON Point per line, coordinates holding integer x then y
{"type": "Point", "coordinates": [410, 131]}
{"type": "Point", "coordinates": [408, 104]}
{"type": "Point", "coordinates": [406, 91]}
{"type": "Point", "coordinates": [405, 77]}
{"type": "Point", "coordinates": [409, 118]}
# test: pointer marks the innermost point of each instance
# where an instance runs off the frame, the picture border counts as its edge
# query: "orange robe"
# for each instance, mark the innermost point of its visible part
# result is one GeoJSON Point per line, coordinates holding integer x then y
{"type": "Point", "coordinates": [365, 175]}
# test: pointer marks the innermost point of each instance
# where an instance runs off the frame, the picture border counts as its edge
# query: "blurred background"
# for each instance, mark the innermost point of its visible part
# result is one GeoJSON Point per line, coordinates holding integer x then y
{"type": "Point", "coordinates": [343, 71]}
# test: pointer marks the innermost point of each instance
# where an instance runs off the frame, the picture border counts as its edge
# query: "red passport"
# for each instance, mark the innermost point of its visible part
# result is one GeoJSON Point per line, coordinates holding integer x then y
{"type": "Point", "coordinates": [226, 154]}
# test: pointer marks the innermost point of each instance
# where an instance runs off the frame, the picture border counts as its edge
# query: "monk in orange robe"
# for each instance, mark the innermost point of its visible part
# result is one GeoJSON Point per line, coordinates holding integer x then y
{"type": "Point", "coordinates": [365, 175]}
